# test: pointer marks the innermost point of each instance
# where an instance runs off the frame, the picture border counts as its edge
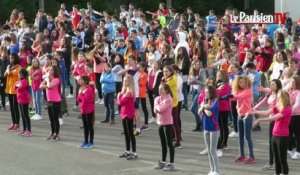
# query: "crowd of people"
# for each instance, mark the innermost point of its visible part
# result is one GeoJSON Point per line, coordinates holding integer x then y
{"type": "Point", "coordinates": [230, 71]}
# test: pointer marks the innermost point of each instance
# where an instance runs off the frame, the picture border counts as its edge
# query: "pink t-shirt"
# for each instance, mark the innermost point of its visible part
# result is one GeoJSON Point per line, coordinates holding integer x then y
{"type": "Point", "coordinates": [86, 99]}
{"type": "Point", "coordinates": [163, 109]}
{"type": "Point", "coordinates": [281, 126]}
{"type": "Point", "coordinates": [23, 96]}
{"type": "Point", "coordinates": [36, 79]}
{"type": "Point", "coordinates": [53, 94]}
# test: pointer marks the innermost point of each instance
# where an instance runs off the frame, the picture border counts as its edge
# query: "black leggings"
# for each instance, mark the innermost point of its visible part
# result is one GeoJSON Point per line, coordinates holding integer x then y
{"type": "Point", "coordinates": [234, 115]}
{"type": "Point", "coordinates": [14, 108]}
{"type": "Point", "coordinates": [280, 145]}
{"type": "Point", "coordinates": [151, 100]}
{"type": "Point", "coordinates": [224, 131]}
{"type": "Point", "coordinates": [77, 86]}
{"type": "Point", "coordinates": [128, 132]}
{"type": "Point", "coordinates": [166, 136]}
{"type": "Point", "coordinates": [53, 112]}
{"type": "Point", "coordinates": [145, 110]}
{"type": "Point", "coordinates": [25, 117]}
{"type": "Point", "coordinates": [271, 152]}
{"type": "Point", "coordinates": [98, 85]}
{"type": "Point", "coordinates": [2, 94]}
{"type": "Point", "coordinates": [295, 133]}
{"type": "Point", "coordinates": [179, 117]}
{"type": "Point", "coordinates": [88, 125]}
{"type": "Point", "coordinates": [118, 89]}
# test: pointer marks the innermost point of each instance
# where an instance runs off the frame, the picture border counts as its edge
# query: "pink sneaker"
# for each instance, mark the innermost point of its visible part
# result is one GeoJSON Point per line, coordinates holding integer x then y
{"type": "Point", "coordinates": [250, 161]}
{"type": "Point", "coordinates": [22, 132]}
{"type": "Point", "coordinates": [11, 127]}
{"type": "Point", "coordinates": [240, 159]}
{"type": "Point", "coordinates": [16, 128]}
{"type": "Point", "coordinates": [27, 134]}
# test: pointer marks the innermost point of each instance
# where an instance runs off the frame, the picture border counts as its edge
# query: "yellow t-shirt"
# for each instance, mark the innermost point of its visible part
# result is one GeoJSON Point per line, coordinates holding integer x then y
{"type": "Point", "coordinates": [11, 80]}
{"type": "Point", "coordinates": [172, 83]}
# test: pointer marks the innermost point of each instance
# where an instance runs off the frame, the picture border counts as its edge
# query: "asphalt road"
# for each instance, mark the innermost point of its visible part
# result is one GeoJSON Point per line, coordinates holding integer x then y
{"type": "Point", "coordinates": [36, 156]}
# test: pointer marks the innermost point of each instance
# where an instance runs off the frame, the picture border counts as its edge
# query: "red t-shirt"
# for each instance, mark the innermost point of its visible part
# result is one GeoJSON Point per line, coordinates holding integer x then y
{"type": "Point", "coordinates": [92, 78]}
{"type": "Point", "coordinates": [281, 126]}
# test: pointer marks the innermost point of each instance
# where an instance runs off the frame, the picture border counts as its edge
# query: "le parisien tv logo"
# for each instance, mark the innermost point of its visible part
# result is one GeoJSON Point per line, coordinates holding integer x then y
{"type": "Point", "coordinates": [243, 18]}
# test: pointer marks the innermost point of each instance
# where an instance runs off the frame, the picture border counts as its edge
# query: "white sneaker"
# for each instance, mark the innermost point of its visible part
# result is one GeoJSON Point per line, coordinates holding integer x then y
{"type": "Point", "coordinates": [101, 102]}
{"type": "Point", "coordinates": [152, 120]}
{"type": "Point", "coordinates": [61, 121]}
{"type": "Point", "coordinates": [210, 173]}
{"type": "Point", "coordinates": [33, 117]}
{"type": "Point", "coordinates": [215, 173]}
{"type": "Point", "coordinates": [7, 103]}
{"type": "Point", "coordinates": [38, 117]}
{"type": "Point", "coordinates": [219, 153]}
{"type": "Point", "coordinates": [205, 151]}
{"type": "Point", "coordinates": [290, 154]}
{"type": "Point", "coordinates": [98, 101]}
{"type": "Point", "coordinates": [296, 156]}
{"type": "Point", "coordinates": [233, 134]}
{"type": "Point", "coordinates": [70, 96]}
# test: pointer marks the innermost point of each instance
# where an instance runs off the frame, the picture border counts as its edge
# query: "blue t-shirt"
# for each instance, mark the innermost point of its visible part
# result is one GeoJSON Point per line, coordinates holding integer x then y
{"type": "Point", "coordinates": [255, 78]}
{"type": "Point", "coordinates": [211, 123]}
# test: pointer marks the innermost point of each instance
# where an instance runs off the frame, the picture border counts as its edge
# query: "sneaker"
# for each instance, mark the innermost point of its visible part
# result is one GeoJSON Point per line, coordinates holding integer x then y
{"type": "Point", "coordinates": [112, 122]}
{"type": "Point", "coordinates": [267, 167]}
{"type": "Point", "coordinates": [215, 173]}
{"type": "Point", "coordinates": [55, 138]}
{"type": "Point", "coordinates": [219, 153]}
{"type": "Point", "coordinates": [75, 108]}
{"type": "Point", "coordinates": [117, 113]}
{"type": "Point", "coordinates": [101, 102]}
{"type": "Point", "coordinates": [70, 96]}
{"type": "Point", "coordinates": [233, 134]}
{"type": "Point", "coordinates": [145, 128]}
{"type": "Point", "coordinates": [38, 117]}
{"type": "Point", "coordinates": [169, 167]}
{"type": "Point", "coordinates": [61, 121]}
{"type": "Point", "coordinates": [137, 133]}
{"type": "Point", "coordinates": [98, 101]}
{"type": "Point", "coordinates": [256, 128]}
{"type": "Point", "coordinates": [50, 137]}
{"type": "Point", "coordinates": [22, 132]}
{"type": "Point", "coordinates": [33, 117]}
{"type": "Point", "coordinates": [250, 161]}
{"type": "Point", "coordinates": [290, 153]}
{"type": "Point", "coordinates": [240, 159]}
{"type": "Point", "coordinates": [152, 120]}
{"type": "Point", "coordinates": [161, 165]}
{"type": "Point", "coordinates": [16, 128]}
{"type": "Point", "coordinates": [11, 127]}
{"type": "Point", "coordinates": [27, 134]}
{"type": "Point", "coordinates": [89, 146]}
{"type": "Point", "coordinates": [296, 156]}
{"type": "Point", "coordinates": [124, 155]}
{"type": "Point", "coordinates": [7, 103]}
{"type": "Point", "coordinates": [83, 144]}
{"type": "Point", "coordinates": [205, 151]}
{"type": "Point", "coordinates": [104, 121]}
{"type": "Point", "coordinates": [65, 114]}
{"type": "Point", "coordinates": [132, 156]}
{"type": "Point", "coordinates": [177, 146]}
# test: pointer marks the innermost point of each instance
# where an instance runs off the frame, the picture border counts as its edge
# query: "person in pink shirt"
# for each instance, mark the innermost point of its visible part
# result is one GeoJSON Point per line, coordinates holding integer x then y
{"type": "Point", "coordinates": [271, 100]}
{"type": "Point", "coordinates": [223, 88]}
{"type": "Point", "coordinates": [86, 99]}
{"type": "Point", "coordinates": [294, 91]}
{"type": "Point", "coordinates": [126, 100]}
{"type": "Point", "coordinates": [163, 110]}
{"type": "Point", "coordinates": [52, 85]}
{"type": "Point", "coordinates": [78, 71]}
{"type": "Point", "coordinates": [23, 98]}
{"type": "Point", "coordinates": [36, 75]}
{"type": "Point", "coordinates": [23, 53]}
{"type": "Point", "coordinates": [242, 92]}
{"type": "Point", "coordinates": [281, 114]}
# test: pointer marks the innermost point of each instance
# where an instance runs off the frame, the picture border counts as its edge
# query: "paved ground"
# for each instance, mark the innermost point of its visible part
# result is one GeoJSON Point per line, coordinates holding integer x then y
{"type": "Point", "coordinates": [36, 156]}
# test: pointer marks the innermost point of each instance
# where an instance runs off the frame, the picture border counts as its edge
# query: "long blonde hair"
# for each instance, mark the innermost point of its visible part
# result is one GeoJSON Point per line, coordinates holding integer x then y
{"type": "Point", "coordinates": [130, 82]}
{"type": "Point", "coordinates": [236, 82]}
{"type": "Point", "coordinates": [3, 51]}
{"type": "Point", "coordinates": [283, 99]}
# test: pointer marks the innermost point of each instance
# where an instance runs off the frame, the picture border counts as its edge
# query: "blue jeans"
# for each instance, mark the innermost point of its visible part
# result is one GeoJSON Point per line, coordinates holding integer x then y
{"type": "Point", "coordinates": [37, 96]}
{"type": "Point", "coordinates": [109, 104]}
{"type": "Point", "coordinates": [245, 128]}
{"type": "Point", "coordinates": [185, 94]}
{"type": "Point", "coordinates": [195, 106]}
